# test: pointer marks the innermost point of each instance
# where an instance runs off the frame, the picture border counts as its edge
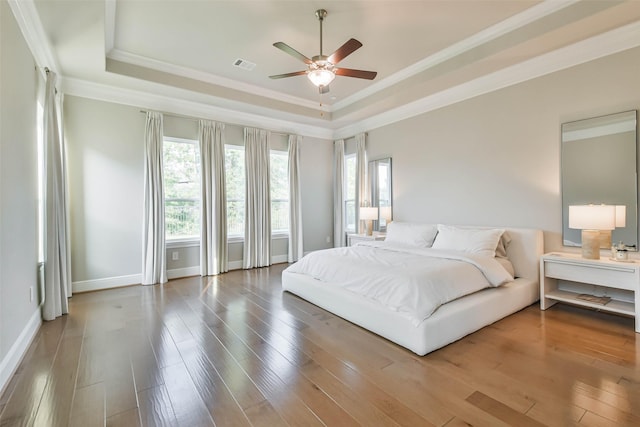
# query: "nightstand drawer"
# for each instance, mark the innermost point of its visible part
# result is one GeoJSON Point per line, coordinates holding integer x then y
{"type": "Point", "coordinates": [619, 277]}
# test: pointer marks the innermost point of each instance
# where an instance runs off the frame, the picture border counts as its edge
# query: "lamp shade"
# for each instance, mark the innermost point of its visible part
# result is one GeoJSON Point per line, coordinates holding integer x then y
{"type": "Point", "coordinates": [368, 213]}
{"type": "Point", "coordinates": [385, 213]}
{"type": "Point", "coordinates": [621, 216]}
{"type": "Point", "coordinates": [592, 217]}
{"type": "Point", "coordinates": [321, 76]}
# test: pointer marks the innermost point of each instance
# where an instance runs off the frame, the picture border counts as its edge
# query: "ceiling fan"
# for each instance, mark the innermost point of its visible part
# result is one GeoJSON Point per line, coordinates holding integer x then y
{"type": "Point", "coordinates": [321, 69]}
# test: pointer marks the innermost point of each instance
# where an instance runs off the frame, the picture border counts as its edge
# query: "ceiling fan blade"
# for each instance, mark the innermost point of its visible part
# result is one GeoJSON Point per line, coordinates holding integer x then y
{"type": "Point", "coordinates": [345, 50]}
{"type": "Point", "coordinates": [360, 74]}
{"type": "Point", "coordinates": [282, 76]}
{"type": "Point", "coordinates": [291, 51]}
{"type": "Point", "coordinates": [323, 89]}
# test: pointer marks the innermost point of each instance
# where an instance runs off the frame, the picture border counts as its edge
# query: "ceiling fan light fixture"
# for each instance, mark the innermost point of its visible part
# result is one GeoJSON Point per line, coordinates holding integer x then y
{"type": "Point", "coordinates": [321, 77]}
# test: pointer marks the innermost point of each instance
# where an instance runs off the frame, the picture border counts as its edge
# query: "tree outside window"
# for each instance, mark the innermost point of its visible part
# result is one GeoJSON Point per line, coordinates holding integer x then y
{"type": "Point", "coordinates": [181, 188]}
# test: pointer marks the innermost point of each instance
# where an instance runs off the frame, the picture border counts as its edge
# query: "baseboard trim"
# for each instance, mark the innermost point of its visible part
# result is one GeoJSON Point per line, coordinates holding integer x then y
{"type": "Point", "coordinates": [133, 279]}
{"type": "Point", "coordinates": [177, 273]}
{"type": "Point", "coordinates": [106, 283]}
{"type": "Point", "coordinates": [10, 363]}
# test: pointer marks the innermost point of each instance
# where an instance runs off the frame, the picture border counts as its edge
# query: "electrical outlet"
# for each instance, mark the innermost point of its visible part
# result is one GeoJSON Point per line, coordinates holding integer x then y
{"type": "Point", "coordinates": [31, 294]}
{"type": "Point", "coordinates": [175, 255]}
{"type": "Point", "coordinates": [328, 239]}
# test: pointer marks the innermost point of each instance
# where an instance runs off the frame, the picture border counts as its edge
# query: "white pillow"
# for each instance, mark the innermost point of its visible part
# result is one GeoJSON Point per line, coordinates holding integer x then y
{"type": "Point", "coordinates": [474, 240]}
{"type": "Point", "coordinates": [407, 233]}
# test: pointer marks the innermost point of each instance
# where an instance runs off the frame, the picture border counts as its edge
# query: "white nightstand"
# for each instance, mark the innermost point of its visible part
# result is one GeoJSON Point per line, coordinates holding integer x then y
{"type": "Point", "coordinates": [607, 276]}
{"type": "Point", "coordinates": [355, 238]}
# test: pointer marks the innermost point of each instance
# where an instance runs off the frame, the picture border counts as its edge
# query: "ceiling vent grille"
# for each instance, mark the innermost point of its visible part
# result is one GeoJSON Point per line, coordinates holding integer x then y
{"type": "Point", "coordinates": [244, 64]}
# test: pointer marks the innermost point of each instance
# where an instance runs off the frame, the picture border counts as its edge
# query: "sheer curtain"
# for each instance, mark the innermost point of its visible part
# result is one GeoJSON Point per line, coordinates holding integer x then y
{"type": "Point", "coordinates": [257, 220]}
{"type": "Point", "coordinates": [362, 197]}
{"type": "Point", "coordinates": [338, 194]}
{"type": "Point", "coordinates": [57, 280]}
{"type": "Point", "coordinates": [214, 257]}
{"type": "Point", "coordinates": [296, 249]}
{"type": "Point", "coordinates": [154, 268]}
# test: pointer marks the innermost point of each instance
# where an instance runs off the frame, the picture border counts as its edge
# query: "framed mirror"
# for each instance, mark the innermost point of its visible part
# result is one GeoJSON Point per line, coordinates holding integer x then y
{"type": "Point", "coordinates": [599, 166]}
{"type": "Point", "coordinates": [381, 194]}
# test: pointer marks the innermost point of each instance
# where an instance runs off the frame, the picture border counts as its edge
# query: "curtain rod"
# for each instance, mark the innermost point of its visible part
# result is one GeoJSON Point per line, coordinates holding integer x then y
{"type": "Point", "coordinates": [181, 116]}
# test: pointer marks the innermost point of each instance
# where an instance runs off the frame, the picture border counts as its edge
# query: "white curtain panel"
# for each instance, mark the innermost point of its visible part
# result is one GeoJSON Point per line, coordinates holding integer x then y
{"type": "Point", "coordinates": [214, 256]}
{"type": "Point", "coordinates": [362, 186]}
{"type": "Point", "coordinates": [257, 220]}
{"type": "Point", "coordinates": [57, 286]}
{"type": "Point", "coordinates": [339, 238]}
{"type": "Point", "coordinates": [296, 248]}
{"type": "Point", "coordinates": [154, 268]}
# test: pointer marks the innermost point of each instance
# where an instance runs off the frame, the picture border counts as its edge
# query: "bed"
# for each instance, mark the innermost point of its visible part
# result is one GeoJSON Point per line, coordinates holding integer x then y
{"type": "Point", "coordinates": [451, 320]}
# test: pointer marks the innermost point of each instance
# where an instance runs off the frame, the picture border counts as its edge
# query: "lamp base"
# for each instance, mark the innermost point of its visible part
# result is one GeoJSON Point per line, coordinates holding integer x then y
{"type": "Point", "coordinates": [369, 227]}
{"type": "Point", "coordinates": [591, 244]}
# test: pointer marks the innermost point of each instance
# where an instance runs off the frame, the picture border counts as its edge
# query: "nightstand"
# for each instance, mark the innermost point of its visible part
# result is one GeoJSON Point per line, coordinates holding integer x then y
{"type": "Point", "coordinates": [355, 238]}
{"type": "Point", "coordinates": [618, 280]}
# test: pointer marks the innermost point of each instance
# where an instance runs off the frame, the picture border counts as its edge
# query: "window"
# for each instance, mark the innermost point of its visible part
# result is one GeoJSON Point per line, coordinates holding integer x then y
{"type": "Point", "coordinates": [350, 193]}
{"type": "Point", "coordinates": [279, 188]}
{"type": "Point", "coordinates": [181, 189]}
{"type": "Point", "coordinates": [235, 186]}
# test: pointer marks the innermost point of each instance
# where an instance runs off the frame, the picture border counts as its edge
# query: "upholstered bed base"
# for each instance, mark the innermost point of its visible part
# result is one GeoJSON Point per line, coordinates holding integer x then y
{"type": "Point", "coordinates": [451, 321]}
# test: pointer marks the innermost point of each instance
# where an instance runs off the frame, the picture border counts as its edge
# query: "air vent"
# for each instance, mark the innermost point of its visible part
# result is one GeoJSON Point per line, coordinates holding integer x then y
{"type": "Point", "coordinates": [244, 64]}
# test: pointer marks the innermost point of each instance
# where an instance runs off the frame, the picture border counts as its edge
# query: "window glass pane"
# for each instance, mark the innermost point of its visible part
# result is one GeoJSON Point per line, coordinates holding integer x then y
{"type": "Point", "coordinates": [181, 189]}
{"type": "Point", "coordinates": [279, 192]}
{"type": "Point", "coordinates": [350, 192]}
{"type": "Point", "coordinates": [235, 185]}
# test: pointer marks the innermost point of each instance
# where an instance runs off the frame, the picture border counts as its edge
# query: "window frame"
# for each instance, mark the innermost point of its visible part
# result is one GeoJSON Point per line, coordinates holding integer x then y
{"type": "Point", "coordinates": [280, 234]}
{"type": "Point", "coordinates": [346, 200]}
{"type": "Point", "coordinates": [183, 242]}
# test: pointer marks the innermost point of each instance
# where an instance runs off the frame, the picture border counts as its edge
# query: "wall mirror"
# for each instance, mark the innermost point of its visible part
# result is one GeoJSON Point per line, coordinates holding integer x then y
{"type": "Point", "coordinates": [599, 166]}
{"type": "Point", "coordinates": [380, 184]}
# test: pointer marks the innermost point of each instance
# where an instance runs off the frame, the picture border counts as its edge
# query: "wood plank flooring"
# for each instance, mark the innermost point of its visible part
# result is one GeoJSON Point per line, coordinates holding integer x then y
{"type": "Point", "coordinates": [234, 350]}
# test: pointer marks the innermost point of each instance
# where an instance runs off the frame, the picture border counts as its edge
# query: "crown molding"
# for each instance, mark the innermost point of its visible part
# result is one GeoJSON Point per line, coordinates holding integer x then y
{"type": "Point", "coordinates": [29, 22]}
{"type": "Point", "coordinates": [609, 43]}
{"type": "Point", "coordinates": [109, 25]}
{"type": "Point", "coordinates": [510, 24]}
{"type": "Point", "coordinates": [179, 106]}
{"type": "Point", "coordinates": [154, 64]}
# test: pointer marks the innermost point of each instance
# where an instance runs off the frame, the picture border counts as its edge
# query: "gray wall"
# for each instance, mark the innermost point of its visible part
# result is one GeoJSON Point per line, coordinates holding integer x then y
{"type": "Point", "coordinates": [18, 193]}
{"type": "Point", "coordinates": [105, 149]}
{"type": "Point", "coordinates": [495, 159]}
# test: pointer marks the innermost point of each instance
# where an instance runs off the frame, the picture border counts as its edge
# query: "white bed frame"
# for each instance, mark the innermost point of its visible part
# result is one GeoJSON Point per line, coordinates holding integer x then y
{"type": "Point", "coordinates": [448, 323]}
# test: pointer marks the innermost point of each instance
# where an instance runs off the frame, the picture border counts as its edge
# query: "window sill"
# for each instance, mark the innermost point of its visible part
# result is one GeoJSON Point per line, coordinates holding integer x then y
{"type": "Point", "coordinates": [187, 243]}
{"type": "Point", "coordinates": [182, 243]}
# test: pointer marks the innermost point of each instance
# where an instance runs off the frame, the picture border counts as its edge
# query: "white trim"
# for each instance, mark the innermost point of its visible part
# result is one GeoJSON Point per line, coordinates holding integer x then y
{"type": "Point", "coordinates": [177, 273]}
{"type": "Point", "coordinates": [109, 25]}
{"type": "Point", "coordinates": [190, 73]}
{"type": "Point", "coordinates": [279, 259]}
{"type": "Point", "coordinates": [614, 41]}
{"type": "Point", "coordinates": [11, 361]}
{"type": "Point", "coordinates": [261, 117]}
{"type": "Point", "coordinates": [235, 265]}
{"type": "Point", "coordinates": [510, 24]}
{"type": "Point", "coordinates": [106, 283]}
{"type": "Point", "coordinates": [182, 243]}
{"type": "Point", "coordinates": [28, 20]}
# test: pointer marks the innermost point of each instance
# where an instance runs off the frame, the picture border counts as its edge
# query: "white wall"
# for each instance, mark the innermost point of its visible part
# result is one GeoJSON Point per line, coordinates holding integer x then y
{"type": "Point", "coordinates": [495, 159]}
{"type": "Point", "coordinates": [105, 148]}
{"type": "Point", "coordinates": [19, 316]}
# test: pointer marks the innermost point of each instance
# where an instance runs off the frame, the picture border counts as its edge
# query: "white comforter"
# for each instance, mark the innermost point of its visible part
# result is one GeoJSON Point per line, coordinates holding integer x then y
{"type": "Point", "coordinates": [411, 281]}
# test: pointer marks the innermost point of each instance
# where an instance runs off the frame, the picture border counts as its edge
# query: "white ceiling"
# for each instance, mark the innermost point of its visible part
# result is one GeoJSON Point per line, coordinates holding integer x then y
{"type": "Point", "coordinates": [426, 53]}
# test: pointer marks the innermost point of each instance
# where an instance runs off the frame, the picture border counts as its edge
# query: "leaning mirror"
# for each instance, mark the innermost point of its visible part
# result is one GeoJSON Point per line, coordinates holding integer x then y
{"type": "Point", "coordinates": [599, 166]}
{"type": "Point", "coordinates": [380, 184]}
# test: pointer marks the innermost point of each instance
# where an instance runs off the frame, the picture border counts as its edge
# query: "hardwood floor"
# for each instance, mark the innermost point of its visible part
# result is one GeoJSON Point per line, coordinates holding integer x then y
{"type": "Point", "coordinates": [233, 350]}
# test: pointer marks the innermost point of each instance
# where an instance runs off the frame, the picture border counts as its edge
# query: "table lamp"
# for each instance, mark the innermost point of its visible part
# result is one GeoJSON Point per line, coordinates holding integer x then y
{"type": "Point", "coordinates": [592, 219]}
{"type": "Point", "coordinates": [368, 215]}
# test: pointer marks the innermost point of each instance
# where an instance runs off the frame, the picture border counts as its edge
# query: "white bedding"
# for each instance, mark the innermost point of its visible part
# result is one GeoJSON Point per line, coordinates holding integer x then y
{"type": "Point", "coordinates": [411, 281]}
{"type": "Point", "coordinates": [449, 322]}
